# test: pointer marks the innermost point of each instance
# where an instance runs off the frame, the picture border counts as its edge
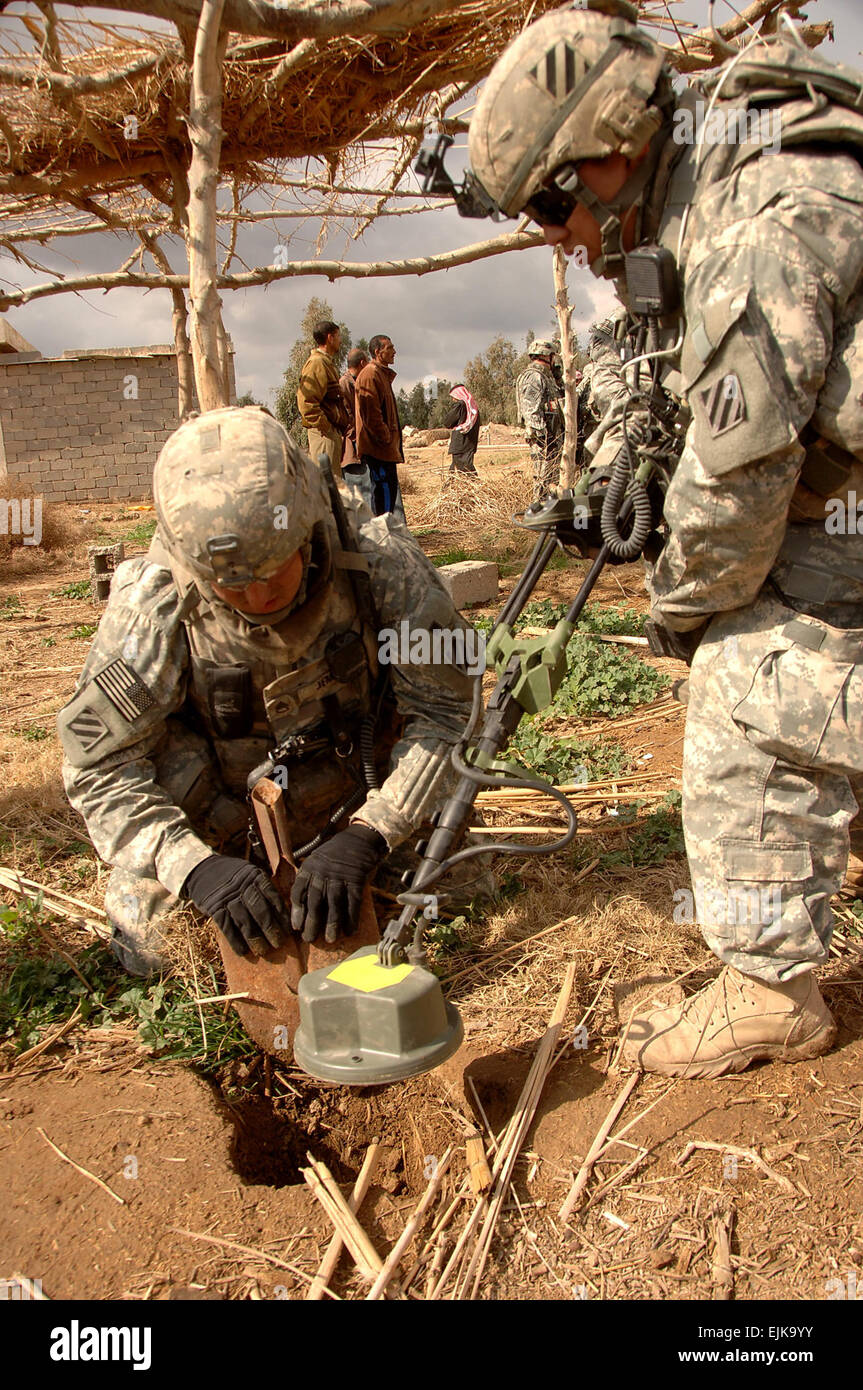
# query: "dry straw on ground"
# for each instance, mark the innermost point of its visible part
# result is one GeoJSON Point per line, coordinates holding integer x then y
{"type": "Point", "coordinates": [465, 501]}
{"type": "Point", "coordinates": [54, 527]}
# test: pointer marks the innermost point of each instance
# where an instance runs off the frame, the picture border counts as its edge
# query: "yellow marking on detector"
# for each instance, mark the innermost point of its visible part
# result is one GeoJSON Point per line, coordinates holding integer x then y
{"type": "Point", "coordinates": [367, 974]}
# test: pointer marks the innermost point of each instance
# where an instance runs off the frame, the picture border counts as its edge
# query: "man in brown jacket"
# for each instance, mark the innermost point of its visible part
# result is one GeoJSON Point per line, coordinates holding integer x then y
{"type": "Point", "coordinates": [357, 359]}
{"type": "Point", "coordinates": [319, 399]}
{"type": "Point", "coordinates": [378, 431]}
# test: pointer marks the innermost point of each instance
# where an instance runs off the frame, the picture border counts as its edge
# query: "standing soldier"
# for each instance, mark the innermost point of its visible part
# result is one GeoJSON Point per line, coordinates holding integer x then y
{"type": "Point", "coordinates": [538, 396]}
{"type": "Point", "coordinates": [240, 631]}
{"type": "Point", "coordinates": [579, 127]}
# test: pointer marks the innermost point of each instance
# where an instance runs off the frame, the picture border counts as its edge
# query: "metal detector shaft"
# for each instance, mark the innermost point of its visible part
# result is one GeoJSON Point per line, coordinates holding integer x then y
{"type": "Point", "coordinates": [503, 716]}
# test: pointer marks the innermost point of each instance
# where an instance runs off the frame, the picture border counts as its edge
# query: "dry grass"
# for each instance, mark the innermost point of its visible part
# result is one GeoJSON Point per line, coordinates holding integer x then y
{"type": "Point", "coordinates": [32, 787]}
{"type": "Point", "coordinates": [624, 919]}
{"type": "Point", "coordinates": [58, 528]}
{"type": "Point", "coordinates": [464, 501]}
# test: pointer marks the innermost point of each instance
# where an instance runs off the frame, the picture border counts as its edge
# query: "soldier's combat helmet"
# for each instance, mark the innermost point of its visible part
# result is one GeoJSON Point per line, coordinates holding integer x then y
{"type": "Point", "coordinates": [578, 84]}
{"type": "Point", "coordinates": [235, 496]}
{"type": "Point", "coordinates": [541, 347]}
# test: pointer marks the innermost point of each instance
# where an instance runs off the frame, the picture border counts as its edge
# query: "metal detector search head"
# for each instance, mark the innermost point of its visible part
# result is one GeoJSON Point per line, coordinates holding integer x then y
{"type": "Point", "coordinates": [364, 1023]}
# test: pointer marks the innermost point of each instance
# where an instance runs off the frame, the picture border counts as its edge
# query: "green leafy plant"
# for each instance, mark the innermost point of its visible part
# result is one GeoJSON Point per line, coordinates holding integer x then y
{"type": "Point", "coordinates": [612, 622]}
{"type": "Point", "coordinates": [563, 760]}
{"type": "Point", "coordinates": [602, 680]}
{"type": "Point", "coordinates": [34, 735]}
{"type": "Point", "coordinates": [141, 534]}
{"type": "Point", "coordinates": [9, 605]}
{"type": "Point", "coordinates": [49, 641]}
{"type": "Point", "coordinates": [651, 843]}
{"type": "Point", "coordinates": [84, 631]}
{"type": "Point", "coordinates": [21, 918]}
{"type": "Point", "coordinates": [37, 992]}
{"type": "Point", "coordinates": [79, 589]}
{"type": "Point", "coordinates": [454, 556]}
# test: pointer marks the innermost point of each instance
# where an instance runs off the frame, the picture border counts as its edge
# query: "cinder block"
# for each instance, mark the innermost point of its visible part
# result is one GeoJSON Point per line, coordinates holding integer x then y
{"type": "Point", "coordinates": [470, 581]}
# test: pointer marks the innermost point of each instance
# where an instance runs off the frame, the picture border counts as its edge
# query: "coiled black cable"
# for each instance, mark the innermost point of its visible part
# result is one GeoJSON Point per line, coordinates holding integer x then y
{"type": "Point", "coordinates": [622, 485]}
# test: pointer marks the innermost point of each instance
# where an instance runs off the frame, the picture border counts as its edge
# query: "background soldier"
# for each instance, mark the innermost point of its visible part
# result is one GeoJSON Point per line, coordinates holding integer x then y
{"type": "Point", "coordinates": [243, 629]}
{"type": "Point", "coordinates": [538, 396]}
{"type": "Point", "coordinates": [574, 127]}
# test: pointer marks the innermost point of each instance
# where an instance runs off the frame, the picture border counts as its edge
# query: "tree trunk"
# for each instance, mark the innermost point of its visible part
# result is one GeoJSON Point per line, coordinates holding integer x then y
{"type": "Point", "coordinates": [185, 368]}
{"type": "Point", "coordinates": [564, 316]}
{"type": "Point", "coordinates": [205, 132]}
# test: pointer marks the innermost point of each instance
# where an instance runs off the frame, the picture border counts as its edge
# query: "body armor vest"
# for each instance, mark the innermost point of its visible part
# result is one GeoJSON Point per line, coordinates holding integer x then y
{"type": "Point", "coordinates": [309, 680]}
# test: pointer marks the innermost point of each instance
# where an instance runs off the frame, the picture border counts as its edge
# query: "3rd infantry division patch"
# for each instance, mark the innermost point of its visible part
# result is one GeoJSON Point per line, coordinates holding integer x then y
{"type": "Point", "coordinates": [724, 404]}
{"type": "Point", "coordinates": [88, 728]}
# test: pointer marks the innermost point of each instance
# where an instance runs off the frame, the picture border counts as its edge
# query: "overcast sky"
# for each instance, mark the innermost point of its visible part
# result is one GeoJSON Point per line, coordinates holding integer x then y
{"type": "Point", "coordinates": [437, 321]}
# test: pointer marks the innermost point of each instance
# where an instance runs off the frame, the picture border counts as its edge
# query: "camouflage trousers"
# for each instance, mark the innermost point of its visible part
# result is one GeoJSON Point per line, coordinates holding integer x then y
{"type": "Point", "coordinates": [545, 463]}
{"type": "Point", "coordinates": [773, 765]}
{"type": "Point", "coordinates": [142, 913]}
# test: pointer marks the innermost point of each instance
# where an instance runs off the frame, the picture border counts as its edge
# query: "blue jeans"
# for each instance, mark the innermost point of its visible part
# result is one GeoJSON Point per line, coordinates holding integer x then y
{"type": "Point", "coordinates": [386, 495]}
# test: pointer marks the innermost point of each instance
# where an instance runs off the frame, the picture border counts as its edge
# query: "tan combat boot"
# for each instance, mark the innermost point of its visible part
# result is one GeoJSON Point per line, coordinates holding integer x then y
{"type": "Point", "coordinates": [852, 884]}
{"type": "Point", "coordinates": [732, 1021]}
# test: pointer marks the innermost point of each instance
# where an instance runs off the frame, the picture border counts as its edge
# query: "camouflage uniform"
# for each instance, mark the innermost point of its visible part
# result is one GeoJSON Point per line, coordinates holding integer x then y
{"type": "Point", "coordinates": [772, 271]}
{"type": "Point", "coordinates": [181, 698]}
{"type": "Point", "coordinates": [605, 392]}
{"type": "Point", "coordinates": [766, 236]}
{"type": "Point", "coordinates": [539, 409]}
{"type": "Point", "coordinates": [607, 386]}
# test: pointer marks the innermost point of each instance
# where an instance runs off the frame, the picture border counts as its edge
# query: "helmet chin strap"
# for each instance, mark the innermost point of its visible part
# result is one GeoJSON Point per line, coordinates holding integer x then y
{"type": "Point", "coordinates": [611, 215]}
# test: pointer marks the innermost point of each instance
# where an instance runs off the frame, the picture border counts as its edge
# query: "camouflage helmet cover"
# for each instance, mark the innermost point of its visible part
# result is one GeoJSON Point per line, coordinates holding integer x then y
{"type": "Point", "coordinates": [541, 347]}
{"type": "Point", "coordinates": [575, 85]}
{"type": "Point", "coordinates": [217, 485]}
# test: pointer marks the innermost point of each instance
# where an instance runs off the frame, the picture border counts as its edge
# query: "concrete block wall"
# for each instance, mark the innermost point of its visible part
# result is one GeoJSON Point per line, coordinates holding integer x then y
{"type": "Point", "coordinates": [74, 431]}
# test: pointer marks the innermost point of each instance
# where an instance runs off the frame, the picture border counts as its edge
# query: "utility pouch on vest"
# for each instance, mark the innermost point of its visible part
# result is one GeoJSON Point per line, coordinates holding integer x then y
{"type": "Point", "coordinates": [229, 699]}
{"type": "Point", "coordinates": [346, 658]}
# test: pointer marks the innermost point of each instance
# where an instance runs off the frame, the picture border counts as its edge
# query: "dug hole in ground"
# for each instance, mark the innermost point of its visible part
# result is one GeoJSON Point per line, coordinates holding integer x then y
{"type": "Point", "coordinates": [148, 1150]}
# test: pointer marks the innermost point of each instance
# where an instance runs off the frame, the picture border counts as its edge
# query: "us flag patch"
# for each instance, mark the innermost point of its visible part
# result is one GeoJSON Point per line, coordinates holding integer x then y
{"type": "Point", "coordinates": [556, 74]}
{"type": "Point", "coordinates": [724, 404]}
{"type": "Point", "coordinates": [123, 688]}
{"type": "Point", "coordinates": [88, 728]}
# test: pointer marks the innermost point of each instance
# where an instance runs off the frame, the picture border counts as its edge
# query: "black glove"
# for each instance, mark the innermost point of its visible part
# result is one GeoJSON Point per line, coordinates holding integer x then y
{"type": "Point", "coordinates": [242, 901]}
{"type": "Point", "coordinates": [328, 890]}
{"type": "Point", "coordinates": [663, 641]}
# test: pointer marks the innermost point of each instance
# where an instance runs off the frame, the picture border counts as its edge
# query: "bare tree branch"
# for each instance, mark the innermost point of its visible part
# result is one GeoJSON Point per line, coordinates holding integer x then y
{"type": "Point", "coordinates": [296, 21]}
{"type": "Point", "coordinates": [303, 53]}
{"type": "Point", "coordinates": [87, 84]}
{"type": "Point", "coordinates": [205, 133]}
{"type": "Point", "coordinates": [182, 347]}
{"type": "Point", "coordinates": [265, 275]}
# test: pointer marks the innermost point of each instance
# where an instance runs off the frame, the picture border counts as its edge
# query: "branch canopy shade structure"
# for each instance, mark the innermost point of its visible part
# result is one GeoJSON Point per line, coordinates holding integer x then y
{"type": "Point", "coordinates": [94, 116]}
